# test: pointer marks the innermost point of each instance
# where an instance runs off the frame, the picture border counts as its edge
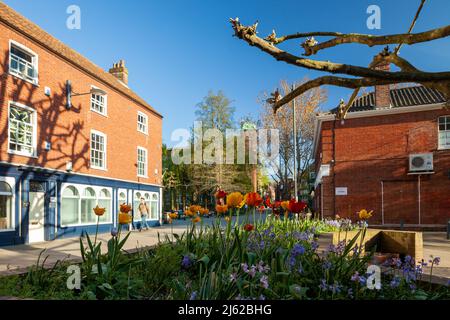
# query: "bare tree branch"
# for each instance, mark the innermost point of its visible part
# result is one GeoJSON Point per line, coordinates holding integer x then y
{"type": "Point", "coordinates": [248, 34]}
{"type": "Point", "coordinates": [330, 80]}
{"type": "Point", "coordinates": [371, 40]}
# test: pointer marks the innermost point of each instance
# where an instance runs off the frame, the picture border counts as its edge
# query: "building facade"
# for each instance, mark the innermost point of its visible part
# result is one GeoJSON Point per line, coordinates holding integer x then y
{"type": "Point", "coordinates": [391, 155]}
{"type": "Point", "coordinates": [71, 136]}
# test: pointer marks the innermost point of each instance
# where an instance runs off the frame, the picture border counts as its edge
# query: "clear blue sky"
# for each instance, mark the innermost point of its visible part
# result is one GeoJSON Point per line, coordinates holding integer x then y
{"type": "Point", "coordinates": [178, 50]}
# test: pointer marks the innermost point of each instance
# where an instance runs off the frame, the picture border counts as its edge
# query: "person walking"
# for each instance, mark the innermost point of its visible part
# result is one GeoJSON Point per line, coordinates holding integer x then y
{"type": "Point", "coordinates": [143, 211]}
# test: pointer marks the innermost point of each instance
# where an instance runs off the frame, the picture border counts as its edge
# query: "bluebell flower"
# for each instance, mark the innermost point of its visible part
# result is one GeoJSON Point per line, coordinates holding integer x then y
{"type": "Point", "coordinates": [355, 277]}
{"type": "Point", "coordinates": [336, 288]}
{"type": "Point", "coordinates": [327, 265]}
{"type": "Point", "coordinates": [244, 267]}
{"type": "Point", "coordinates": [395, 282]}
{"type": "Point", "coordinates": [233, 277]}
{"type": "Point", "coordinates": [262, 268]}
{"type": "Point", "coordinates": [323, 285]}
{"type": "Point", "coordinates": [186, 262]}
{"type": "Point", "coordinates": [298, 249]}
{"type": "Point", "coordinates": [193, 295]}
{"type": "Point", "coordinates": [114, 232]}
{"type": "Point", "coordinates": [350, 293]}
{"type": "Point", "coordinates": [252, 271]}
{"type": "Point", "coordinates": [332, 248]}
{"type": "Point", "coordinates": [264, 282]}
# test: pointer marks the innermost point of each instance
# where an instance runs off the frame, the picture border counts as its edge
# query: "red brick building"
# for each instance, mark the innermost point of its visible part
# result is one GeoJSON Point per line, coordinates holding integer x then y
{"type": "Point", "coordinates": [390, 155]}
{"type": "Point", "coordinates": [71, 136]}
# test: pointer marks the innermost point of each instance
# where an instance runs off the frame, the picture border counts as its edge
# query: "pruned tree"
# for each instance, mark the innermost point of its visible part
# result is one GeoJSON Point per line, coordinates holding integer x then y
{"type": "Point", "coordinates": [360, 76]}
{"type": "Point", "coordinates": [306, 106]}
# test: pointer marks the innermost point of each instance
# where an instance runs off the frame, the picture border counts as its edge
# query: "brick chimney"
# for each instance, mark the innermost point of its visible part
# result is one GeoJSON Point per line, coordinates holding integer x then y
{"type": "Point", "coordinates": [120, 71]}
{"type": "Point", "coordinates": [383, 92]}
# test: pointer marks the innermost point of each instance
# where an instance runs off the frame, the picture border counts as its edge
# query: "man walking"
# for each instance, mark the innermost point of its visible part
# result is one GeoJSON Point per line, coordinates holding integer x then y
{"type": "Point", "coordinates": [143, 211]}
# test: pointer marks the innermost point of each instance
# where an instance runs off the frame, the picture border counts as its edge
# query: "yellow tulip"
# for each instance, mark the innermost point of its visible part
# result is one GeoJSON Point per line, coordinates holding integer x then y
{"type": "Point", "coordinates": [234, 199]}
{"type": "Point", "coordinates": [364, 215]}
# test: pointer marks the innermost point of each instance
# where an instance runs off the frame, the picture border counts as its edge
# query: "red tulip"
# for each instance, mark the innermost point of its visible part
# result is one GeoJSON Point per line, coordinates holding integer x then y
{"type": "Point", "coordinates": [253, 199]}
{"type": "Point", "coordinates": [248, 227]}
{"type": "Point", "coordinates": [296, 206]}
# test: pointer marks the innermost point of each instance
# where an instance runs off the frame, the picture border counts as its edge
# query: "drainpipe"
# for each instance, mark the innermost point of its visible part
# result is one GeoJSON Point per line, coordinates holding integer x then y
{"type": "Point", "coordinates": [418, 190]}
{"type": "Point", "coordinates": [382, 203]}
{"type": "Point", "coordinates": [321, 201]}
{"type": "Point", "coordinates": [333, 165]}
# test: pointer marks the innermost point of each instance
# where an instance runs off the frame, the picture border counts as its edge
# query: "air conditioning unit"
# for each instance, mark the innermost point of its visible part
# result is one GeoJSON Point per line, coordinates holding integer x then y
{"type": "Point", "coordinates": [421, 162]}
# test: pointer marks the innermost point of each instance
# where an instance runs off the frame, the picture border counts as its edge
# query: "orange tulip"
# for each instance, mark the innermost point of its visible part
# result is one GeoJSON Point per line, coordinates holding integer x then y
{"type": "Point", "coordinates": [124, 218]}
{"type": "Point", "coordinates": [99, 211]}
{"type": "Point", "coordinates": [125, 208]}
{"type": "Point", "coordinates": [221, 209]}
{"type": "Point", "coordinates": [196, 219]}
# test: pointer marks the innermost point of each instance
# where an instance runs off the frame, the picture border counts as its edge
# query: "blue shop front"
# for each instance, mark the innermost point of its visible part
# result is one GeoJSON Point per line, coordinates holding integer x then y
{"type": "Point", "coordinates": [38, 205]}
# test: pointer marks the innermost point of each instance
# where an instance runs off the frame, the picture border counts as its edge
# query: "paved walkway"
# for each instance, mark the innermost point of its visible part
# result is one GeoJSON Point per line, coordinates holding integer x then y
{"type": "Point", "coordinates": [17, 259]}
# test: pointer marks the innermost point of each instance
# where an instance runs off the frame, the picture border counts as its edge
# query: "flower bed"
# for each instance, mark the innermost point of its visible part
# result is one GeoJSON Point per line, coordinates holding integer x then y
{"type": "Point", "coordinates": [245, 258]}
{"type": "Point", "coordinates": [274, 259]}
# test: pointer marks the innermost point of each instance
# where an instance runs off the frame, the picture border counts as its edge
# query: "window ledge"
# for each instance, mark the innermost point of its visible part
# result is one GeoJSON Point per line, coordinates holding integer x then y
{"type": "Point", "coordinates": [99, 168]}
{"type": "Point", "coordinates": [145, 177]}
{"type": "Point", "coordinates": [84, 224]}
{"type": "Point", "coordinates": [34, 156]}
{"type": "Point", "coordinates": [143, 132]}
{"type": "Point", "coordinates": [7, 230]}
{"type": "Point", "coordinates": [18, 75]}
{"type": "Point", "coordinates": [99, 113]}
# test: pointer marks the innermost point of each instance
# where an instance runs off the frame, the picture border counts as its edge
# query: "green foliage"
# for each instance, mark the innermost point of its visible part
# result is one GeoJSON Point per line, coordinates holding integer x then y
{"type": "Point", "coordinates": [278, 259]}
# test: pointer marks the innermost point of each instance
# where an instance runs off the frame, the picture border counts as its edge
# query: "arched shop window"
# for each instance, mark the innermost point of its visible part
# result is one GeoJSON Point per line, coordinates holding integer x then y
{"type": "Point", "coordinates": [137, 200]}
{"type": "Point", "coordinates": [104, 201]}
{"type": "Point", "coordinates": [88, 203]}
{"type": "Point", "coordinates": [147, 201]}
{"type": "Point", "coordinates": [154, 206]}
{"type": "Point", "coordinates": [122, 198]}
{"type": "Point", "coordinates": [6, 201]}
{"type": "Point", "coordinates": [70, 204]}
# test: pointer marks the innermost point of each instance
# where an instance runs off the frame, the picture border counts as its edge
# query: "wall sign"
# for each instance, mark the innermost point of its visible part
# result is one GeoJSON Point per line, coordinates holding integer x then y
{"type": "Point", "coordinates": [341, 191]}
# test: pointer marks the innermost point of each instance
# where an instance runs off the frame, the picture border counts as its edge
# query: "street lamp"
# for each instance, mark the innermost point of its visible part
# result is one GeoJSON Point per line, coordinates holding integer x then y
{"type": "Point", "coordinates": [70, 94]}
{"type": "Point", "coordinates": [294, 129]}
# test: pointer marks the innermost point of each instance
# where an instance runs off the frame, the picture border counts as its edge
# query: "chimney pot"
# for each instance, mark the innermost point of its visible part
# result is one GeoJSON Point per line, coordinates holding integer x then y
{"type": "Point", "coordinates": [382, 92]}
{"type": "Point", "coordinates": [120, 71]}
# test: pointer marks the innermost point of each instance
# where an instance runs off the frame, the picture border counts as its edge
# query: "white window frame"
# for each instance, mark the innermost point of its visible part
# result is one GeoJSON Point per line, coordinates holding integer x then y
{"type": "Point", "coordinates": [104, 168]}
{"type": "Point", "coordinates": [12, 183]}
{"type": "Point", "coordinates": [34, 124]}
{"type": "Point", "coordinates": [447, 145]}
{"type": "Point", "coordinates": [80, 188]}
{"type": "Point", "coordinates": [105, 100]}
{"type": "Point", "coordinates": [145, 125]}
{"type": "Point", "coordinates": [35, 63]}
{"type": "Point", "coordinates": [145, 174]}
{"type": "Point", "coordinates": [147, 195]}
